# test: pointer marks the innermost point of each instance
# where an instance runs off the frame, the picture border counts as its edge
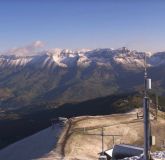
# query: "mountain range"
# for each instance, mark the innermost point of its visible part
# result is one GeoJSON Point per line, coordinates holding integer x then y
{"type": "Point", "coordinates": [63, 75]}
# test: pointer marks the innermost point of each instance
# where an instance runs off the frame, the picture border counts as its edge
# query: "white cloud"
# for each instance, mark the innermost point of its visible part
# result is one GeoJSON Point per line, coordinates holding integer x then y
{"type": "Point", "coordinates": [31, 49]}
{"type": "Point", "coordinates": [37, 44]}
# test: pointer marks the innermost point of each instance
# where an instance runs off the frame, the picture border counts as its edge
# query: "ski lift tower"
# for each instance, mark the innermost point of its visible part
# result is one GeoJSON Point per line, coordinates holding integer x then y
{"type": "Point", "coordinates": [147, 131]}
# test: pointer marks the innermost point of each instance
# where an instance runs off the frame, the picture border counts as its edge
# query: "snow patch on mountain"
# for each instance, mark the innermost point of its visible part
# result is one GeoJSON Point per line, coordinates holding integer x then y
{"type": "Point", "coordinates": [6, 61]}
{"type": "Point", "coordinates": [63, 58]}
{"type": "Point", "coordinates": [83, 61]}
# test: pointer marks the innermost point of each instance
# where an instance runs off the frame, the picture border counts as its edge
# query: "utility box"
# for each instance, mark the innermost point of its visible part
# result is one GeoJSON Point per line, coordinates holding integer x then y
{"type": "Point", "coordinates": [148, 83]}
{"type": "Point", "coordinates": [153, 140]}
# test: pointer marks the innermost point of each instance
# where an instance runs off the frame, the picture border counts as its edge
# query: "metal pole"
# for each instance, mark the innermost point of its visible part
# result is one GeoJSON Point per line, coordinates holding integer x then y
{"type": "Point", "coordinates": [102, 138]}
{"type": "Point", "coordinates": [146, 131]}
{"type": "Point", "coordinates": [113, 141]}
{"type": "Point", "coordinates": [146, 117]}
{"type": "Point", "coordinates": [102, 134]}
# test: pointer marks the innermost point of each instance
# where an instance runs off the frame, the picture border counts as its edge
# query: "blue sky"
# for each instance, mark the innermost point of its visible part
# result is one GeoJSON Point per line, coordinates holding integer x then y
{"type": "Point", "coordinates": [136, 24]}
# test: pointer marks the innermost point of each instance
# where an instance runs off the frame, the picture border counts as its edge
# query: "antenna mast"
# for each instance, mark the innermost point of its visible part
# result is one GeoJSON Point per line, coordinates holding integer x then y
{"type": "Point", "coordinates": [147, 86]}
{"type": "Point", "coordinates": [102, 138]}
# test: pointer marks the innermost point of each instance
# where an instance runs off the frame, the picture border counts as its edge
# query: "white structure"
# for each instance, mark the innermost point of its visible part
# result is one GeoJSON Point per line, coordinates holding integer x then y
{"type": "Point", "coordinates": [148, 83]}
{"type": "Point", "coordinates": [103, 157]}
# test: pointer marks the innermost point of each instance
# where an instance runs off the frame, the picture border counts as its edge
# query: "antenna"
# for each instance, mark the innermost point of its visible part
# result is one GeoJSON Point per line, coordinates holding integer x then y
{"type": "Point", "coordinates": [147, 127]}
{"type": "Point", "coordinates": [157, 106]}
{"type": "Point", "coordinates": [102, 138]}
{"type": "Point", "coordinates": [145, 63]}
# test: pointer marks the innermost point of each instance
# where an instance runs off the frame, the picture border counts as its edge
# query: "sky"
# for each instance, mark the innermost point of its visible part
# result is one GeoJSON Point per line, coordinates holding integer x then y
{"type": "Point", "coordinates": [75, 24]}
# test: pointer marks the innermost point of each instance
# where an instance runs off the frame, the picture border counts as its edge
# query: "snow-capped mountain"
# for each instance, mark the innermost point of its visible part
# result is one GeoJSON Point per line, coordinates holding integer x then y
{"type": "Point", "coordinates": [67, 58]}
{"type": "Point", "coordinates": [71, 75]}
